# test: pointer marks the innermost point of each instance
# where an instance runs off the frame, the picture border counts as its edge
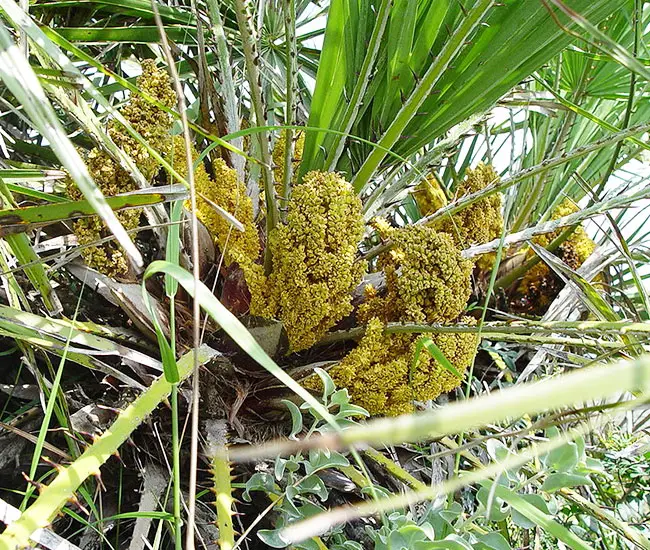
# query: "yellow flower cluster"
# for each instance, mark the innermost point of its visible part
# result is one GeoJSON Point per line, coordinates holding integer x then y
{"type": "Point", "coordinates": [578, 244]}
{"type": "Point", "coordinates": [228, 192]}
{"type": "Point", "coordinates": [427, 281]}
{"type": "Point", "coordinates": [278, 157]}
{"type": "Point", "coordinates": [380, 376]}
{"type": "Point", "coordinates": [429, 196]}
{"type": "Point", "coordinates": [433, 281]}
{"type": "Point", "coordinates": [383, 228]}
{"type": "Point", "coordinates": [375, 373]}
{"type": "Point", "coordinates": [480, 222]}
{"type": "Point", "coordinates": [151, 122]}
{"type": "Point", "coordinates": [314, 268]}
{"type": "Point", "coordinates": [540, 285]}
{"type": "Point", "coordinates": [154, 125]}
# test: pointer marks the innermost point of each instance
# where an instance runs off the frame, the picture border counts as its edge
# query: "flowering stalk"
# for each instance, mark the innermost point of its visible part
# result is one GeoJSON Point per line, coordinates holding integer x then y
{"type": "Point", "coordinates": [314, 268]}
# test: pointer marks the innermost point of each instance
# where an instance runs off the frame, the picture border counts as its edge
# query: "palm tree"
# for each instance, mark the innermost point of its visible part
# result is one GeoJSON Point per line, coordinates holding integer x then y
{"type": "Point", "coordinates": [412, 201]}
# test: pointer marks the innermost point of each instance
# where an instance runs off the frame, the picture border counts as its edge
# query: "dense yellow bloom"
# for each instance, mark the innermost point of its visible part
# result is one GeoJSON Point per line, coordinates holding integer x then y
{"type": "Point", "coordinates": [541, 285]}
{"type": "Point", "coordinates": [429, 196]}
{"type": "Point", "coordinates": [427, 279]}
{"type": "Point", "coordinates": [278, 156]}
{"type": "Point", "coordinates": [577, 248]}
{"type": "Point", "coordinates": [226, 191]}
{"type": "Point", "coordinates": [578, 245]}
{"type": "Point", "coordinates": [151, 122]}
{"type": "Point", "coordinates": [481, 221]}
{"type": "Point", "coordinates": [314, 268]}
{"type": "Point", "coordinates": [383, 228]}
{"type": "Point", "coordinates": [373, 305]}
{"type": "Point", "coordinates": [380, 376]}
{"type": "Point", "coordinates": [154, 125]}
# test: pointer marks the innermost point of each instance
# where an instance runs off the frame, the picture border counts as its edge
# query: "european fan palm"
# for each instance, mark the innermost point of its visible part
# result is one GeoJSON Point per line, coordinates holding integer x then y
{"type": "Point", "coordinates": [380, 206]}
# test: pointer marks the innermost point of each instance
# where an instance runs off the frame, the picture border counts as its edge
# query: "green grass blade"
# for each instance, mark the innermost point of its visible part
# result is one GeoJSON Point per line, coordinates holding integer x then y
{"type": "Point", "coordinates": [23, 175]}
{"type": "Point", "coordinates": [34, 194]}
{"type": "Point", "coordinates": [356, 100]}
{"type": "Point", "coordinates": [131, 35]}
{"type": "Point", "coordinates": [399, 45]}
{"type": "Point", "coordinates": [19, 77]}
{"type": "Point", "coordinates": [24, 219]}
{"type": "Point", "coordinates": [23, 325]}
{"type": "Point", "coordinates": [596, 303]}
{"type": "Point", "coordinates": [58, 493]}
{"type": "Point", "coordinates": [235, 330]}
{"type": "Point", "coordinates": [330, 81]}
{"type": "Point", "coordinates": [537, 516]}
{"type": "Point", "coordinates": [429, 345]}
{"type": "Point", "coordinates": [49, 408]}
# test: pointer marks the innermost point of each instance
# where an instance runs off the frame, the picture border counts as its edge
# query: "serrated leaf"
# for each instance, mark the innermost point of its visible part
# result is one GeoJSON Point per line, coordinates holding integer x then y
{"type": "Point", "coordinates": [279, 467]}
{"type": "Point", "coordinates": [313, 485]}
{"type": "Point", "coordinates": [395, 540]}
{"type": "Point", "coordinates": [346, 409]}
{"type": "Point", "coordinates": [328, 384]}
{"type": "Point", "coordinates": [288, 505]}
{"type": "Point", "coordinates": [260, 481]}
{"type": "Point", "coordinates": [562, 459]}
{"type": "Point", "coordinates": [319, 461]}
{"type": "Point", "coordinates": [413, 533]}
